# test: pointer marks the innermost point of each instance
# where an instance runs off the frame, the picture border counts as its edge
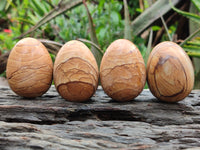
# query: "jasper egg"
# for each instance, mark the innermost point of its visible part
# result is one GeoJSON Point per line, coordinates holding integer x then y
{"type": "Point", "coordinates": [122, 71]}
{"type": "Point", "coordinates": [75, 72]}
{"type": "Point", "coordinates": [170, 73]}
{"type": "Point", "coordinates": [29, 69]}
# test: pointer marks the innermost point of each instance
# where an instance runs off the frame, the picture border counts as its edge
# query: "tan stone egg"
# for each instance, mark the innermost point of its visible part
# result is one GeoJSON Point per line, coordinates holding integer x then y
{"type": "Point", "coordinates": [75, 72]}
{"type": "Point", "coordinates": [122, 71]}
{"type": "Point", "coordinates": [170, 73]}
{"type": "Point", "coordinates": [29, 69]}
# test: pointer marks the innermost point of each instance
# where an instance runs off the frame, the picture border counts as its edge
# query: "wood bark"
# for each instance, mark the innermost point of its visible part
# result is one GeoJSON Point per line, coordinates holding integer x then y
{"type": "Point", "coordinates": [50, 122]}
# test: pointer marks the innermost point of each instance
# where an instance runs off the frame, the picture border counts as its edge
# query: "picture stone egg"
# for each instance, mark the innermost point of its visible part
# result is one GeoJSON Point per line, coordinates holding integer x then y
{"type": "Point", "coordinates": [29, 68]}
{"type": "Point", "coordinates": [170, 73]}
{"type": "Point", "coordinates": [122, 71]}
{"type": "Point", "coordinates": [75, 72]}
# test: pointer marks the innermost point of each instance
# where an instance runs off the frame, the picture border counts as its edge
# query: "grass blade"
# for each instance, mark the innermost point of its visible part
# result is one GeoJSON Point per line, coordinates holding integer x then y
{"type": "Point", "coordinates": [94, 50]}
{"type": "Point", "coordinates": [38, 7]}
{"type": "Point", "coordinates": [148, 51]}
{"type": "Point", "coordinates": [52, 46]}
{"type": "Point", "coordinates": [8, 4]}
{"type": "Point", "coordinates": [128, 29]}
{"type": "Point", "coordinates": [166, 29]}
{"type": "Point", "coordinates": [93, 44]}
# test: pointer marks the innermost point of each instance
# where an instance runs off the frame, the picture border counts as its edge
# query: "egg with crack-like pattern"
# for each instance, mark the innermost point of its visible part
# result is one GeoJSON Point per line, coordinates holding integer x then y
{"type": "Point", "coordinates": [122, 71]}
{"type": "Point", "coordinates": [29, 69]}
{"type": "Point", "coordinates": [75, 72]}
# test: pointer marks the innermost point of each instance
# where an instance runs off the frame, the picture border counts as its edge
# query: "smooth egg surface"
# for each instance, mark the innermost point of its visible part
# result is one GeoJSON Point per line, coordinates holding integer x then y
{"type": "Point", "coordinates": [75, 72]}
{"type": "Point", "coordinates": [122, 71]}
{"type": "Point", "coordinates": [29, 68]}
{"type": "Point", "coordinates": [170, 73]}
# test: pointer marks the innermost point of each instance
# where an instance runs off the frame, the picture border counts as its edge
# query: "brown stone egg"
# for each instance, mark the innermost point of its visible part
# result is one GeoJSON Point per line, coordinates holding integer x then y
{"type": "Point", "coordinates": [170, 73]}
{"type": "Point", "coordinates": [122, 71]}
{"type": "Point", "coordinates": [75, 72]}
{"type": "Point", "coordinates": [29, 69]}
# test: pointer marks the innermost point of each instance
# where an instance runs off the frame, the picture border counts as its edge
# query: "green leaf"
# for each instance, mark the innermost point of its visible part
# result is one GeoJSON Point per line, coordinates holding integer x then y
{"type": "Point", "coordinates": [8, 4]}
{"type": "Point", "coordinates": [190, 37]}
{"type": "Point", "coordinates": [38, 7]}
{"type": "Point", "coordinates": [193, 47]}
{"type": "Point", "coordinates": [2, 4]}
{"type": "Point", "coordinates": [102, 31]}
{"type": "Point", "coordinates": [115, 17]}
{"type": "Point", "coordinates": [145, 19]}
{"type": "Point", "coordinates": [191, 16]}
{"type": "Point", "coordinates": [193, 54]}
{"type": "Point", "coordinates": [192, 51]}
{"type": "Point", "coordinates": [155, 28]}
{"type": "Point", "coordinates": [25, 20]}
{"type": "Point", "coordinates": [194, 43]}
{"type": "Point", "coordinates": [197, 4]}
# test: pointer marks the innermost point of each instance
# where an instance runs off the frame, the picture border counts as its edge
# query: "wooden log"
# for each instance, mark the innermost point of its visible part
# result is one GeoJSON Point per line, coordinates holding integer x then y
{"type": "Point", "coordinates": [50, 122]}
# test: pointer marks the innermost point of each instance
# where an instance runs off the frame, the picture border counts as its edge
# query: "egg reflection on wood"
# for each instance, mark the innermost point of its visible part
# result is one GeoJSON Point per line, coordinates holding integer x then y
{"type": "Point", "coordinates": [75, 72]}
{"type": "Point", "coordinates": [29, 68]}
{"type": "Point", "coordinates": [170, 73]}
{"type": "Point", "coordinates": [122, 71]}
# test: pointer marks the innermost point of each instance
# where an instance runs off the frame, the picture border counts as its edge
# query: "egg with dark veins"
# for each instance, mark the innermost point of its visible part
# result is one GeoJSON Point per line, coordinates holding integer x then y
{"type": "Point", "coordinates": [170, 73]}
{"type": "Point", "coordinates": [29, 69]}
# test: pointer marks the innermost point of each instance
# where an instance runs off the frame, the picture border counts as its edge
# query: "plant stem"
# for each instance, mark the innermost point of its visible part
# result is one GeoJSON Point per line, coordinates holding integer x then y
{"type": "Point", "coordinates": [163, 21]}
{"type": "Point", "coordinates": [148, 51]}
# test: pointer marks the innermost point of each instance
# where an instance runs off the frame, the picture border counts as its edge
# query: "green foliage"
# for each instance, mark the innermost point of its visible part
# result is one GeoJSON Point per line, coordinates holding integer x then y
{"type": "Point", "coordinates": [196, 4]}
{"type": "Point", "coordinates": [6, 42]}
{"type": "Point", "coordinates": [193, 47]}
{"type": "Point", "coordinates": [108, 22]}
{"type": "Point", "coordinates": [98, 26]}
{"type": "Point", "coordinates": [191, 16]}
{"type": "Point", "coordinates": [22, 15]}
{"type": "Point", "coordinates": [190, 45]}
{"type": "Point", "coordinates": [150, 15]}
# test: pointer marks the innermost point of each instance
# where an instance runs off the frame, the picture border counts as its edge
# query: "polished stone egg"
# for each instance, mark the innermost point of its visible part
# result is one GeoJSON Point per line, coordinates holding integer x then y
{"type": "Point", "coordinates": [29, 68]}
{"type": "Point", "coordinates": [122, 71]}
{"type": "Point", "coordinates": [170, 74]}
{"type": "Point", "coordinates": [75, 72]}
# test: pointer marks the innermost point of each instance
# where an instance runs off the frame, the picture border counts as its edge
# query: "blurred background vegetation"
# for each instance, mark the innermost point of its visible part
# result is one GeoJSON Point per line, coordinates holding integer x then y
{"type": "Point", "coordinates": [99, 22]}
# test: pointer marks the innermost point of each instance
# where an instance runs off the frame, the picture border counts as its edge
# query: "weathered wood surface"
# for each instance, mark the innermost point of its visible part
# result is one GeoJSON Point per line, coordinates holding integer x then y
{"type": "Point", "coordinates": [50, 122]}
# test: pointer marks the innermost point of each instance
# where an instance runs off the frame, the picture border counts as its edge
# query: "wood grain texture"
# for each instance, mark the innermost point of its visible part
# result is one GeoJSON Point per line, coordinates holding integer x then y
{"type": "Point", "coordinates": [50, 122]}
{"type": "Point", "coordinates": [75, 72]}
{"type": "Point", "coordinates": [122, 71]}
{"type": "Point", "coordinates": [170, 73]}
{"type": "Point", "coordinates": [29, 69]}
